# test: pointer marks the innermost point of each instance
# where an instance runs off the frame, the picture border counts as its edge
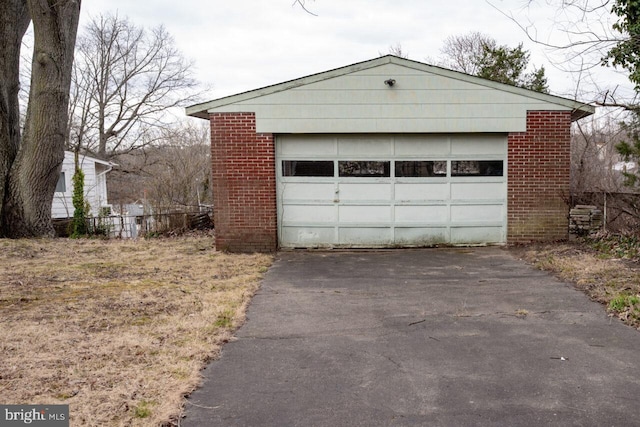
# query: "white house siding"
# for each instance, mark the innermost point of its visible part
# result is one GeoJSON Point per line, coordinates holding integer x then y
{"type": "Point", "coordinates": [95, 186]}
{"type": "Point", "coordinates": [423, 99]}
{"type": "Point", "coordinates": [98, 194]}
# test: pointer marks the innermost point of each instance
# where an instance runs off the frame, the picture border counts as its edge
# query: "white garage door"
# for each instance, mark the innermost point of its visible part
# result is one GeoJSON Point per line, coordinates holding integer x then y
{"type": "Point", "coordinates": [391, 191]}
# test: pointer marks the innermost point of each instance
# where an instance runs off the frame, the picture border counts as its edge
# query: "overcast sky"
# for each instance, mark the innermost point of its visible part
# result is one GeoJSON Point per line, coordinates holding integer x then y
{"type": "Point", "coordinates": [240, 45]}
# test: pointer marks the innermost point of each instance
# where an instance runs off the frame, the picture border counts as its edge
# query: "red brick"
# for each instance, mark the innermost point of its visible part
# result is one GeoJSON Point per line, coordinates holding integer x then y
{"type": "Point", "coordinates": [244, 178]}
{"type": "Point", "coordinates": [244, 181]}
{"type": "Point", "coordinates": [538, 175]}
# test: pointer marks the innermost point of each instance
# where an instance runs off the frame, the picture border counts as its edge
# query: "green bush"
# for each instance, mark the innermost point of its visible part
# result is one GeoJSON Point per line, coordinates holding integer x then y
{"type": "Point", "coordinates": [79, 223]}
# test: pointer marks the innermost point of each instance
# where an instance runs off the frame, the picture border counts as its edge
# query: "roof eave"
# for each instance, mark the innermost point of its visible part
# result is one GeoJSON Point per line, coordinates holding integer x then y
{"type": "Point", "coordinates": [202, 110]}
{"type": "Point", "coordinates": [579, 110]}
{"type": "Point", "coordinates": [582, 112]}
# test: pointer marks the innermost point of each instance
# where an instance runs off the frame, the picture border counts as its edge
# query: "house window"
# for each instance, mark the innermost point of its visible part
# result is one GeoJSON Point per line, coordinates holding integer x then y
{"type": "Point", "coordinates": [307, 168]}
{"type": "Point", "coordinates": [61, 186]}
{"type": "Point", "coordinates": [364, 169]}
{"type": "Point", "coordinates": [477, 168]}
{"type": "Point", "coordinates": [421, 169]}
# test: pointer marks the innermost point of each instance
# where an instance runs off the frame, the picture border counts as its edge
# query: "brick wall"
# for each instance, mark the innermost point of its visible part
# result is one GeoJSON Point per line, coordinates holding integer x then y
{"type": "Point", "coordinates": [538, 173]}
{"type": "Point", "coordinates": [244, 181]}
{"type": "Point", "coordinates": [244, 184]}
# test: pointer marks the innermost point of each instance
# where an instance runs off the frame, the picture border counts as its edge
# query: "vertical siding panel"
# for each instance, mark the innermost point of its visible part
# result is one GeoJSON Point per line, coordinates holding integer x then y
{"type": "Point", "coordinates": [95, 192]}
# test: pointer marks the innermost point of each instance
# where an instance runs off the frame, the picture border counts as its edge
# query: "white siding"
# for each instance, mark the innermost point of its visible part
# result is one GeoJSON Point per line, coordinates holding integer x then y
{"type": "Point", "coordinates": [420, 102]}
{"type": "Point", "coordinates": [95, 186]}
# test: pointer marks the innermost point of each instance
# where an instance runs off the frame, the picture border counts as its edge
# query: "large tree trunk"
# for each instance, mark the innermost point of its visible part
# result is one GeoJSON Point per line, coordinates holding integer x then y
{"type": "Point", "coordinates": [14, 22]}
{"type": "Point", "coordinates": [35, 170]}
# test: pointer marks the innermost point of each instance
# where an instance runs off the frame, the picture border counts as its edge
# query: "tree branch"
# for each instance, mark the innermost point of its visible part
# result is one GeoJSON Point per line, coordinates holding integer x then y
{"type": "Point", "coordinates": [302, 4]}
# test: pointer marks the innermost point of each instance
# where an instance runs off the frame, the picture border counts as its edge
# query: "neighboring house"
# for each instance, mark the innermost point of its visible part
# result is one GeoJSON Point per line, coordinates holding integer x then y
{"type": "Point", "coordinates": [131, 209]}
{"type": "Point", "coordinates": [95, 185]}
{"type": "Point", "coordinates": [131, 219]}
{"type": "Point", "coordinates": [389, 153]}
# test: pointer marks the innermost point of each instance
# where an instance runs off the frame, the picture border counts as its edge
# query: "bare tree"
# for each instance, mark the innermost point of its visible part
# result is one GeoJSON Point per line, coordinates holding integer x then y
{"type": "Point", "coordinates": [397, 50]}
{"type": "Point", "coordinates": [594, 156]}
{"type": "Point", "coordinates": [464, 52]}
{"type": "Point", "coordinates": [589, 35]}
{"type": "Point", "coordinates": [125, 81]}
{"type": "Point", "coordinates": [173, 175]}
{"type": "Point", "coordinates": [480, 55]}
{"type": "Point", "coordinates": [303, 5]}
{"type": "Point", "coordinates": [14, 21]}
{"type": "Point", "coordinates": [30, 163]}
{"type": "Point", "coordinates": [581, 35]}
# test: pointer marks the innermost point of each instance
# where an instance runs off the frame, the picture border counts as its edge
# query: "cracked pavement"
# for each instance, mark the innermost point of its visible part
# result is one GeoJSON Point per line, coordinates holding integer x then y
{"type": "Point", "coordinates": [438, 337]}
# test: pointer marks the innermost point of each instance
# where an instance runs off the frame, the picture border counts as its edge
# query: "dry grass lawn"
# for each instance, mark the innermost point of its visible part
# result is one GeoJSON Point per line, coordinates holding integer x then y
{"type": "Point", "coordinates": [611, 281]}
{"type": "Point", "coordinates": [117, 329]}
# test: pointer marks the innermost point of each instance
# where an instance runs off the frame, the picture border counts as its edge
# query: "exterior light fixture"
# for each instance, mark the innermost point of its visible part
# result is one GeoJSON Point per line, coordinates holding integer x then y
{"type": "Point", "coordinates": [390, 82]}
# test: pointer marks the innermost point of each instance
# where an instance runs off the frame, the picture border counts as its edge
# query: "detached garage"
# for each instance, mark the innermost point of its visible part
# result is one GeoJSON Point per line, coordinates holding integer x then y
{"type": "Point", "coordinates": [389, 153]}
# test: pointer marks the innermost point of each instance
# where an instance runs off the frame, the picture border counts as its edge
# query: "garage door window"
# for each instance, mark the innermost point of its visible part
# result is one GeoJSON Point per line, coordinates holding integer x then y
{"type": "Point", "coordinates": [421, 169]}
{"type": "Point", "coordinates": [307, 168]}
{"type": "Point", "coordinates": [353, 168]}
{"type": "Point", "coordinates": [476, 168]}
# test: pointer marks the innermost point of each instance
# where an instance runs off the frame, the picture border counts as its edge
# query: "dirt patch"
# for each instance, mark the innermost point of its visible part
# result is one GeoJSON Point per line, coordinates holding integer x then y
{"type": "Point", "coordinates": [119, 330]}
{"type": "Point", "coordinates": [614, 282]}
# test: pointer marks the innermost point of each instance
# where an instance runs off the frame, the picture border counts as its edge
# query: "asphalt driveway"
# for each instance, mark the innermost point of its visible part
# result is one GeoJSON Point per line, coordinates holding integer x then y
{"type": "Point", "coordinates": [433, 337]}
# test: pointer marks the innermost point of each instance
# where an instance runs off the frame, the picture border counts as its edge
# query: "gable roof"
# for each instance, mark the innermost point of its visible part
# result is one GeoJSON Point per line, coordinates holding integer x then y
{"type": "Point", "coordinates": [424, 99]}
{"type": "Point", "coordinates": [579, 109]}
{"type": "Point", "coordinates": [71, 155]}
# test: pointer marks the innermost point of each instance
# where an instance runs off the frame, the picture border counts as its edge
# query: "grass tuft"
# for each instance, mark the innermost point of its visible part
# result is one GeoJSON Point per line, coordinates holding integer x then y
{"type": "Point", "coordinates": [143, 409]}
